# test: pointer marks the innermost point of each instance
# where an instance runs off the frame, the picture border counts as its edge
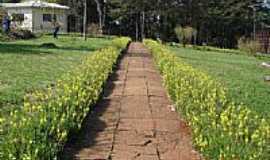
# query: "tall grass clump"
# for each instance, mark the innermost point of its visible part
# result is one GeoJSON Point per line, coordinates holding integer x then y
{"type": "Point", "coordinates": [221, 129]}
{"type": "Point", "coordinates": [41, 126]}
{"type": "Point", "coordinates": [185, 34]}
{"type": "Point", "coordinates": [94, 30]}
{"type": "Point", "coordinates": [249, 46]}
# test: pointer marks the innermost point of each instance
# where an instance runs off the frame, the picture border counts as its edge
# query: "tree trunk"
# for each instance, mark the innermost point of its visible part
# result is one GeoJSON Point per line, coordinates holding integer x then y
{"type": "Point", "coordinates": [104, 14]}
{"type": "Point", "coordinates": [99, 15]}
{"type": "Point", "coordinates": [85, 20]}
{"type": "Point", "coordinates": [142, 25]}
{"type": "Point", "coordinates": [137, 28]}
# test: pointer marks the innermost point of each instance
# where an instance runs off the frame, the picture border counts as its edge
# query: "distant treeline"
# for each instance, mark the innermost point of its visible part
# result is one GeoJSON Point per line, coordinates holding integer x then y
{"type": "Point", "coordinates": [217, 22]}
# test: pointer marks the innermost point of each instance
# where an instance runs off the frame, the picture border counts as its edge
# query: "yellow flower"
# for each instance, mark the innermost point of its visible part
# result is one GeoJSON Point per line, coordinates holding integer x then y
{"type": "Point", "coordinates": [2, 120]}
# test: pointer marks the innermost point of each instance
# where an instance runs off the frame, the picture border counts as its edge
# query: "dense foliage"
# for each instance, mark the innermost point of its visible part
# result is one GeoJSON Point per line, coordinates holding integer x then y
{"type": "Point", "coordinates": [185, 35]}
{"type": "Point", "coordinates": [249, 46]}
{"type": "Point", "coordinates": [218, 22]}
{"type": "Point", "coordinates": [39, 129]}
{"type": "Point", "coordinates": [221, 129]}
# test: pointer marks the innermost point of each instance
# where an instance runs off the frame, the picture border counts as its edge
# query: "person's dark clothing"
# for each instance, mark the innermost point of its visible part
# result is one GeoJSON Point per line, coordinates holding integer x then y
{"type": "Point", "coordinates": [6, 24]}
{"type": "Point", "coordinates": [56, 30]}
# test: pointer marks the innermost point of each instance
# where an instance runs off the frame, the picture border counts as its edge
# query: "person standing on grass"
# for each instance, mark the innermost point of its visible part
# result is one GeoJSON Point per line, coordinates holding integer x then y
{"type": "Point", "coordinates": [6, 24]}
{"type": "Point", "coordinates": [56, 29]}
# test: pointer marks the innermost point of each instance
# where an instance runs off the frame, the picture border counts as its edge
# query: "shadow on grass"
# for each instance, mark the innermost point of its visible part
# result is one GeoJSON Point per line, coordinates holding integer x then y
{"type": "Point", "coordinates": [11, 48]}
{"type": "Point", "coordinates": [80, 48]}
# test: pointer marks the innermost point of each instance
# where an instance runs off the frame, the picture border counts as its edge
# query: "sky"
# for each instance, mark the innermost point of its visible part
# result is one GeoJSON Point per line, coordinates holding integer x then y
{"type": "Point", "coordinates": [267, 3]}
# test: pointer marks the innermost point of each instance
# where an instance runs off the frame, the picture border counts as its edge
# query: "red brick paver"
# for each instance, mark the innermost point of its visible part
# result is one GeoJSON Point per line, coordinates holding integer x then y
{"type": "Point", "coordinates": [134, 120]}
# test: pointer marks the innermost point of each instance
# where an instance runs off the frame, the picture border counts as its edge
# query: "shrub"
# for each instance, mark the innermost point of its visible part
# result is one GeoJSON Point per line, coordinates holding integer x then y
{"type": "Point", "coordinates": [21, 34]}
{"type": "Point", "coordinates": [40, 128]}
{"type": "Point", "coordinates": [3, 37]}
{"type": "Point", "coordinates": [221, 129]}
{"type": "Point", "coordinates": [215, 49]}
{"type": "Point", "coordinates": [185, 34]}
{"type": "Point", "coordinates": [209, 48]}
{"type": "Point", "coordinates": [2, 14]}
{"type": "Point", "coordinates": [249, 46]}
{"type": "Point", "coordinates": [94, 30]}
{"type": "Point", "coordinates": [48, 45]}
{"type": "Point", "coordinates": [179, 33]}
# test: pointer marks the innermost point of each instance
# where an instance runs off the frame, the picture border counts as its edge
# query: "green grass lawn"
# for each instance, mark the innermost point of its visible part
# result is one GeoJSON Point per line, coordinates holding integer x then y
{"type": "Point", "coordinates": [242, 75]}
{"type": "Point", "coordinates": [25, 65]}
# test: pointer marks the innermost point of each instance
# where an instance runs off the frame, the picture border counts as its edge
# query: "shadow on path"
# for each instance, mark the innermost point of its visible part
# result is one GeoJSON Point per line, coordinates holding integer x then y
{"type": "Point", "coordinates": [95, 139]}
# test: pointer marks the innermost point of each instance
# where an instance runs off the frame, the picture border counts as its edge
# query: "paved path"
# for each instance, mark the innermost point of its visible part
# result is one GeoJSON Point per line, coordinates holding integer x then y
{"type": "Point", "coordinates": [134, 120]}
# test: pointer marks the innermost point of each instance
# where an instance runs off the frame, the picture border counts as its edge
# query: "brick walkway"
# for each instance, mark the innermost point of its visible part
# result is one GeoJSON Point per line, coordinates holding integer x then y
{"type": "Point", "coordinates": [134, 120]}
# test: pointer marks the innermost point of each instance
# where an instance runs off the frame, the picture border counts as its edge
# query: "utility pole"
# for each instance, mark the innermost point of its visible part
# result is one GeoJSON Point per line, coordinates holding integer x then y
{"type": "Point", "coordinates": [254, 20]}
{"type": "Point", "coordinates": [85, 20]}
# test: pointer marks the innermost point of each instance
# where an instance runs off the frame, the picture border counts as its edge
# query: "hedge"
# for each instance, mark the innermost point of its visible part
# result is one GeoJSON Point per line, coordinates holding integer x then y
{"type": "Point", "coordinates": [221, 129]}
{"type": "Point", "coordinates": [208, 48]}
{"type": "Point", "coordinates": [40, 128]}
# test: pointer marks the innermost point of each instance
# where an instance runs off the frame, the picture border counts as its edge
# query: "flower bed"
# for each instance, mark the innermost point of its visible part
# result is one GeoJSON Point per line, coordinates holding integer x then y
{"type": "Point", "coordinates": [40, 128]}
{"type": "Point", "coordinates": [221, 129]}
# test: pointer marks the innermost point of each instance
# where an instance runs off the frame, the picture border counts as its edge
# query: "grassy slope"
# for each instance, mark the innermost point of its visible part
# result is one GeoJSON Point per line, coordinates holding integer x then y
{"type": "Point", "coordinates": [25, 65]}
{"type": "Point", "coordinates": [242, 75]}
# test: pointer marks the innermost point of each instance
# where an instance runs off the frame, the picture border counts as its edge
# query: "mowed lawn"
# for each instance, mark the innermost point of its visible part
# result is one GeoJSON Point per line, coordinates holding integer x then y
{"type": "Point", "coordinates": [25, 65]}
{"type": "Point", "coordinates": [242, 75]}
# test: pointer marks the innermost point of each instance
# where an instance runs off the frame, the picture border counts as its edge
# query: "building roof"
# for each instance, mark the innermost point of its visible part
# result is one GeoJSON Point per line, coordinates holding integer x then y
{"type": "Point", "coordinates": [34, 4]}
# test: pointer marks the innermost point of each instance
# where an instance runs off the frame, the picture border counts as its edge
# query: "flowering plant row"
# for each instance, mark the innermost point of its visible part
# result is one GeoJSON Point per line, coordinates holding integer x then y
{"type": "Point", "coordinates": [221, 129]}
{"type": "Point", "coordinates": [39, 129]}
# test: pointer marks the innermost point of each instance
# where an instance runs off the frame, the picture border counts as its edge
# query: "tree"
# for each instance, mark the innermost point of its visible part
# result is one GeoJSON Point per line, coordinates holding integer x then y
{"type": "Point", "coordinates": [100, 14]}
{"type": "Point", "coordinates": [218, 22]}
{"type": "Point", "coordinates": [85, 20]}
{"type": "Point", "coordinates": [185, 34]}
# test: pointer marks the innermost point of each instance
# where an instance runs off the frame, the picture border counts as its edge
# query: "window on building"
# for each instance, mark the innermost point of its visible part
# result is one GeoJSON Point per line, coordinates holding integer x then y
{"type": "Point", "coordinates": [54, 17]}
{"type": "Point", "coordinates": [18, 17]}
{"type": "Point", "coordinates": [49, 17]}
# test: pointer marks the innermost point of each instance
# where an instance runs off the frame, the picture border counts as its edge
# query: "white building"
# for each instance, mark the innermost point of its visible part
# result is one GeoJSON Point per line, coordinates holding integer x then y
{"type": "Point", "coordinates": [37, 16]}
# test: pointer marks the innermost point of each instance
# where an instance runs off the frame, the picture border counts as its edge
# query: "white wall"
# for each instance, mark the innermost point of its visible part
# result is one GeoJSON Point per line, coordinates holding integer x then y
{"type": "Point", "coordinates": [40, 26]}
{"type": "Point", "coordinates": [33, 19]}
{"type": "Point", "coordinates": [27, 23]}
